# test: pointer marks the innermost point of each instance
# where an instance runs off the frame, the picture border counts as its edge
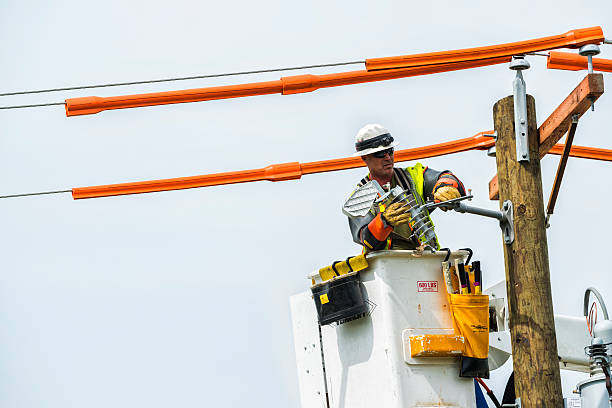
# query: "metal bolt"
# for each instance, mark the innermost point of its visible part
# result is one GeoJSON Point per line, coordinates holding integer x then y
{"type": "Point", "coordinates": [493, 135]}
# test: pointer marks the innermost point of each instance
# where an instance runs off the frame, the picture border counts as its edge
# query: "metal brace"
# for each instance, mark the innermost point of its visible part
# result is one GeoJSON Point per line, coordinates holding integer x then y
{"type": "Point", "coordinates": [518, 64]}
{"type": "Point", "coordinates": [505, 216]}
{"type": "Point", "coordinates": [517, 404]}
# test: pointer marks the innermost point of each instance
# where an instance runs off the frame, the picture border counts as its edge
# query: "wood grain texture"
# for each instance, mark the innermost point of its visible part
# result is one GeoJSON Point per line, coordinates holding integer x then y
{"type": "Point", "coordinates": [534, 345]}
{"type": "Point", "coordinates": [557, 124]}
{"type": "Point", "coordinates": [577, 102]}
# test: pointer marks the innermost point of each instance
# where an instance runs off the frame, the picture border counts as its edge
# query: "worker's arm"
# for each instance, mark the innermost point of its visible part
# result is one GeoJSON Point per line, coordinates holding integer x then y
{"type": "Point", "coordinates": [374, 235]}
{"type": "Point", "coordinates": [370, 231]}
{"type": "Point", "coordinates": [434, 180]}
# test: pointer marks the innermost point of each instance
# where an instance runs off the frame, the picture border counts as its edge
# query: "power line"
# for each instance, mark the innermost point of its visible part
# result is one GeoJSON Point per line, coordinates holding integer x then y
{"type": "Point", "coordinates": [35, 194]}
{"type": "Point", "coordinates": [32, 106]}
{"type": "Point", "coordinates": [152, 81]}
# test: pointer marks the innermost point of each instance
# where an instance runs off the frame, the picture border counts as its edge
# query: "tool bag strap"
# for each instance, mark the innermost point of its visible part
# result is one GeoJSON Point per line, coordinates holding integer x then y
{"type": "Point", "coordinates": [402, 179]}
{"type": "Point", "coordinates": [364, 180]}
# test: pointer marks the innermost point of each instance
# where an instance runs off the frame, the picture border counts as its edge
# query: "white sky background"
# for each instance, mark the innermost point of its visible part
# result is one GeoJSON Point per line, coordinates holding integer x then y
{"type": "Point", "coordinates": [181, 298]}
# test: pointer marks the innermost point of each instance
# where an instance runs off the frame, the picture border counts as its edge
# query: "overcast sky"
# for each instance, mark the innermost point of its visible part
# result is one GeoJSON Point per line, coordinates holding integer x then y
{"type": "Point", "coordinates": [181, 298]}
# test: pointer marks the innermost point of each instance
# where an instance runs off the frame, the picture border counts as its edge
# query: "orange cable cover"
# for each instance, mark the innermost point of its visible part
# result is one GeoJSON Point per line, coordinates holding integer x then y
{"type": "Point", "coordinates": [286, 85]}
{"type": "Point", "coordinates": [277, 172]}
{"type": "Point", "coordinates": [571, 39]}
{"type": "Point", "coordinates": [295, 170]}
{"type": "Point", "coordinates": [575, 62]}
{"type": "Point", "coordinates": [93, 104]}
{"type": "Point", "coordinates": [584, 152]}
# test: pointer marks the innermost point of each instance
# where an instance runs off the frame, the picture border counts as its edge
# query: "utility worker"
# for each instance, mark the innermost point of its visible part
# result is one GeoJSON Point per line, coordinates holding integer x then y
{"type": "Point", "coordinates": [389, 228]}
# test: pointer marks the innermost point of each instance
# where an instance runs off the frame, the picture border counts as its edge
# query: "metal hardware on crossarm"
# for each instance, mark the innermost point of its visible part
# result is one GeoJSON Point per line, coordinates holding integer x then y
{"type": "Point", "coordinates": [561, 169]}
{"type": "Point", "coordinates": [589, 50]}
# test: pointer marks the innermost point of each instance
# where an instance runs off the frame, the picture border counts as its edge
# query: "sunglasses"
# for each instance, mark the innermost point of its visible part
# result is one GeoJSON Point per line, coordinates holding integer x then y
{"type": "Point", "coordinates": [382, 153]}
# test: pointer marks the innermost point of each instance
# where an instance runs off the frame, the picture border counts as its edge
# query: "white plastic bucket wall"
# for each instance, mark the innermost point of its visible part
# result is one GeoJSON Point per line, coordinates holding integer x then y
{"type": "Point", "coordinates": [364, 358]}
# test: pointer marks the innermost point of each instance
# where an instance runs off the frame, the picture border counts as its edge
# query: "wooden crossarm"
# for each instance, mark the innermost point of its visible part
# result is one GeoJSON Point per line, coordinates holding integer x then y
{"type": "Point", "coordinates": [557, 124]}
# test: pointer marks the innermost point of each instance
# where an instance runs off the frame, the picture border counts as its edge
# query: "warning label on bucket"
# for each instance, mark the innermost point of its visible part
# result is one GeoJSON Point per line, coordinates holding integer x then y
{"type": "Point", "coordinates": [427, 286]}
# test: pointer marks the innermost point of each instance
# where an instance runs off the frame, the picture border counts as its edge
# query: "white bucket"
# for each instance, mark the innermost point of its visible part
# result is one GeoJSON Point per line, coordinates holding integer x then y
{"type": "Point", "coordinates": [366, 365]}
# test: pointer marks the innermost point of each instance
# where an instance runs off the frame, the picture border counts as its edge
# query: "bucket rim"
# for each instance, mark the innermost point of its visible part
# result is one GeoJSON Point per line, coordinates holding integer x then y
{"type": "Point", "coordinates": [405, 253]}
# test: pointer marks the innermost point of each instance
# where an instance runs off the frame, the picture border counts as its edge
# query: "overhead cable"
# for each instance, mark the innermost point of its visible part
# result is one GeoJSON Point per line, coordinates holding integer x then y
{"type": "Point", "coordinates": [33, 106]}
{"type": "Point", "coordinates": [295, 170]}
{"type": "Point", "coordinates": [35, 194]}
{"type": "Point", "coordinates": [575, 62]}
{"type": "Point", "coordinates": [288, 85]}
{"type": "Point", "coordinates": [571, 39]}
{"type": "Point", "coordinates": [153, 81]}
{"type": "Point", "coordinates": [377, 69]}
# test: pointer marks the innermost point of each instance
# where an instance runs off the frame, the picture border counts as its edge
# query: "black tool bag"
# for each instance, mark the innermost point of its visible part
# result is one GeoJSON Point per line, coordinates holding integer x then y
{"type": "Point", "coordinates": [340, 300]}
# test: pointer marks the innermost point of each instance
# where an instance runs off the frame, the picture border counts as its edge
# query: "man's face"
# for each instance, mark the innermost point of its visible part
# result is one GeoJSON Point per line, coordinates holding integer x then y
{"type": "Point", "coordinates": [380, 167]}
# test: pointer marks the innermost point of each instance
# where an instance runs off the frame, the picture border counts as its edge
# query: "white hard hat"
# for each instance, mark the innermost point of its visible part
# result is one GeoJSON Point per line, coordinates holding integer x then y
{"type": "Point", "coordinates": [373, 138]}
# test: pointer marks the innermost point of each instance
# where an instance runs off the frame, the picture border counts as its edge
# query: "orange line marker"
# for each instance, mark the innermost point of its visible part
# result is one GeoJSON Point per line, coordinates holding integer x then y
{"type": "Point", "coordinates": [287, 86]}
{"type": "Point", "coordinates": [295, 170]}
{"type": "Point", "coordinates": [571, 39]}
{"type": "Point", "coordinates": [277, 172]}
{"type": "Point", "coordinates": [575, 62]}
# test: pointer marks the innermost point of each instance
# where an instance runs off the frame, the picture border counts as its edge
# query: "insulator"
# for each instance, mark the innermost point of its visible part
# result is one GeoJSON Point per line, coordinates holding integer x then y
{"type": "Point", "coordinates": [598, 355]}
{"type": "Point", "coordinates": [422, 227]}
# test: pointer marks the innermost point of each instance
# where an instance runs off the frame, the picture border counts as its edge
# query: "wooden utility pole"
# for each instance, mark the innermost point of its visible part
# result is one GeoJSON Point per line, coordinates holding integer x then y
{"type": "Point", "coordinates": [532, 329]}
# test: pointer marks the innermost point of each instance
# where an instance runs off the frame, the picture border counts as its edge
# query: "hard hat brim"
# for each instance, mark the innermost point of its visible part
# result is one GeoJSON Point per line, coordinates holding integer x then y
{"type": "Point", "coordinates": [374, 149]}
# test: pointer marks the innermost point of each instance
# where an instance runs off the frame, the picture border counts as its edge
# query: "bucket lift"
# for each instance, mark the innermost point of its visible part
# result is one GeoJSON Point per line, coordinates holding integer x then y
{"type": "Point", "coordinates": [368, 362]}
{"type": "Point", "coordinates": [374, 360]}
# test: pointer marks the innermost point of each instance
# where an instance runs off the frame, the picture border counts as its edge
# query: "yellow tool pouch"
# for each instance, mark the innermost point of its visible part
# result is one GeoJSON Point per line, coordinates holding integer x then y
{"type": "Point", "coordinates": [338, 268]}
{"type": "Point", "coordinates": [471, 320]}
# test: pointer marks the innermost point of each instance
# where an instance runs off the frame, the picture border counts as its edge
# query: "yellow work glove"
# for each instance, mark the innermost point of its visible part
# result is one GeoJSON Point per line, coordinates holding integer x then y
{"type": "Point", "coordinates": [446, 193]}
{"type": "Point", "coordinates": [396, 214]}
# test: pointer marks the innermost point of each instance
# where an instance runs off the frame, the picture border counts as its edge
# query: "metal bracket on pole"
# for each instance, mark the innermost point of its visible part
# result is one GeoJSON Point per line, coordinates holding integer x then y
{"type": "Point", "coordinates": [518, 64]}
{"type": "Point", "coordinates": [505, 216]}
{"type": "Point", "coordinates": [589, 50]}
